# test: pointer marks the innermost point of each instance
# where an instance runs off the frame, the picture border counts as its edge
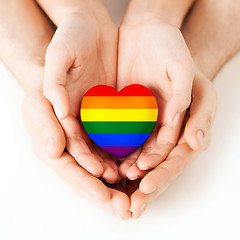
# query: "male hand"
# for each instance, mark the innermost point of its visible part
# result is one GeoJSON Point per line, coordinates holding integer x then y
{"type": "Point", "coordinates": [199, 118]}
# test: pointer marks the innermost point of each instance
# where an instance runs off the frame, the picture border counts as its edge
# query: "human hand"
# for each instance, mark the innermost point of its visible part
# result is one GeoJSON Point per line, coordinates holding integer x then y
{"type": "Point", "coordinates": [199, 118]}
{"type": "Point", "coordinates": [82, 54]}
{"type": "Point", "coordinates": [155, 55]}
{"type": "Point", "coordinates": [43, 125]}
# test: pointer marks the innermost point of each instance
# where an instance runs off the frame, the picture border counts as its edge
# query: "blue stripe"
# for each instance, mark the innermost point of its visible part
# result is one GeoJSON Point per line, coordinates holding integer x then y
{"type": "Point", "coordinates": [123, 140]}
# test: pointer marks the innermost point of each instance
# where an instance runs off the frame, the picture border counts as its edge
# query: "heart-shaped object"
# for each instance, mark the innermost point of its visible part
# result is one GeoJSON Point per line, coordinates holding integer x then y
{"type": "Point", "coordinates": [119, 122]}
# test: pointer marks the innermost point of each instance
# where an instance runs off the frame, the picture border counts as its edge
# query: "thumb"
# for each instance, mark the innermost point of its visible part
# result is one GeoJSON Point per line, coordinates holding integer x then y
{"type": "Point", "coordinates": [57, 64]}
{"type": "Point", "coordinates": [40, 121]}
{"type": "Point", "coordinates": [181, 92]}
{"type": "Point", "coordinates": [202, 113]}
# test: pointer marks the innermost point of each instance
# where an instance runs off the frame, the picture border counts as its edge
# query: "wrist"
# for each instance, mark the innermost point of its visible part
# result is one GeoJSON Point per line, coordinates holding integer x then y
{"type": "Point", "coordinates": [59, 10]}
{"type": "Point", "coordinates": [156, 11]}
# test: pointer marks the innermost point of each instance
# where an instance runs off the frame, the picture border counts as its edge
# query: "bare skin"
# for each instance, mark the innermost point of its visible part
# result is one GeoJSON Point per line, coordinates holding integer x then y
{"type": "Point", "coordinates": [210, 53]}
{"type": "Point", "coordinates": [25, 58]}
{"type": "Point", "coordinates": [152, 52]}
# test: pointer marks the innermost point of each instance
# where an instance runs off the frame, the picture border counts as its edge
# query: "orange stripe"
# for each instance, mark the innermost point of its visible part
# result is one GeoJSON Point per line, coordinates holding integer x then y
{"type": "Point", "coordinates": [119, 103]}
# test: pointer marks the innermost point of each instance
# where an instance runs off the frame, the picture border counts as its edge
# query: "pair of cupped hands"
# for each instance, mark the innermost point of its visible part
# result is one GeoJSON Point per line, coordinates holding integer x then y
{"type": "Point", "coordinates": [86, 51]}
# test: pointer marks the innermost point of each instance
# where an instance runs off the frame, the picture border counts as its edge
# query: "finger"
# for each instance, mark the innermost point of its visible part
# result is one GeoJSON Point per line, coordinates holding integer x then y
{"type": "Point", "coordinates": [78, 148]}
{"type": "Point", "coordinates": [119, 200]}
{"type": "Point", "coordinates": [137, 215]}
{"type": "Point", "coordinates": [124, 167]}
{"type": "Point", "coordinates": [134, 172]}
{"type": "Point", "coordinates": [202, 113]}
{"type": "Point", "coordinates": [128, 162]}
{"type": "Point", "coordinates": [39, 111]}
{"type": "Point", "coordinates": [136, 196]}
{"type": "Point", "coordinates": [140, 201]}
{"type": "Point", "coordinates": [57, 64]}
{"type": "Point", "coordinates": [120, 203]}
{"type": "Point", "coordinates": [129, 168]}
{"type": "Point", "coordinates": [156, 150]}
{"type": "Point", "coordinates": [143, 162]}
{"type": "Point", "coordinates": [81, 181]}
{"type": "Point", "coordinates": [110, 171]}
{"type": "Point", "coordinates": [181, 76]}
{"type": "Point", "coordinates": [77, 177]}
{"type": "Point", "coordinates": [124, 215]}
{"type": "Point", "coordinates": [179, 158]}
{"type": "Point", "coordinates": [110, 168]}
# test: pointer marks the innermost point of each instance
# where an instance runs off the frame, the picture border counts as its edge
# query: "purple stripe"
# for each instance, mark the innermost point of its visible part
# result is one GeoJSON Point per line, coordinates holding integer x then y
{"type": "Point", "coordinates": [120, 152]}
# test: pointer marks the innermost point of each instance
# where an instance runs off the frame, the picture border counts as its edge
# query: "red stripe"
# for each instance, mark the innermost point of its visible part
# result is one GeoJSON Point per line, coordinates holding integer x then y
{"type": "Point", "coordinates": [131, 90]}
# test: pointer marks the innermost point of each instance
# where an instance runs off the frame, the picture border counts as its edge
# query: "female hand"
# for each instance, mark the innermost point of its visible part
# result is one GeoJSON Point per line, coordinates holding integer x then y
{"type": "Point", "coordinates": [82, 54]}
{"type": "Point", "coordinates": [41, 123]}
{"type": "Point", "coordinates": [155, 55]}
{"type": "Point", "coordinates": [199, 119]}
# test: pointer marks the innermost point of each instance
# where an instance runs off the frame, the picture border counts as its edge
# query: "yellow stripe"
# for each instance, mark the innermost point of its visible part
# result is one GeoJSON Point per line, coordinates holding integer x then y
{"type": "Point", "coordinates": [108, 115]}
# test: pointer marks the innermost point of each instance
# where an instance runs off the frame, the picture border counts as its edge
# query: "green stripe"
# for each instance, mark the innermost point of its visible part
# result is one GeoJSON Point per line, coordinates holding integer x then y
{"type": "Point", "coordinates": [119, 127]}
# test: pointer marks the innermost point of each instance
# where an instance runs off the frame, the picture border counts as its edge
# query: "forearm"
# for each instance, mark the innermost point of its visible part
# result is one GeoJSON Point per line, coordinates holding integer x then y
{"type": "Point", "coordinates": [170, 12]}
{"type": "Point", "coordinates": [212, 33]}
{"type": "Point", "coordinates": [58, 9]}
{"type": "Point", "coordinates": [25, 35]}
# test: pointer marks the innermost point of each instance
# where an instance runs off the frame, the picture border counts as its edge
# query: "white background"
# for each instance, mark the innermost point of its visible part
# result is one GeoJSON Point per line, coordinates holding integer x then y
{"type": "Point", "coordinates": [35, 203]}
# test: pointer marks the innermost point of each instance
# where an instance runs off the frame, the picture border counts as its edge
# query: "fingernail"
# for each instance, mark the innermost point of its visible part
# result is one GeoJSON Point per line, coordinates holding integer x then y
{"type": "Point", "coordinates": [142, 208]}
{"type": "Point", "coordinates": [175, 120]}
{"type": "Point", "coordinates": [139, 212]}
{"type": "Point", "coordinates": [141, 166]}
{"type": "Point", "coordinates": [50, 145]}
{"type": "Point", "coordinates": [57, 110]}
{"type": "Point", "coordinates": [154, 189]}
{"type": "Point", "coordinates": [132, 178]}
{"type": "Point", "coordinates": [200, 137]}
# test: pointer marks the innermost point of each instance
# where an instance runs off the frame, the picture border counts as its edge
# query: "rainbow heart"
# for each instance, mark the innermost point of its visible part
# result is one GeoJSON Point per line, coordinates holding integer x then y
{"type": "Point", "coordinates": [119, 122]}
